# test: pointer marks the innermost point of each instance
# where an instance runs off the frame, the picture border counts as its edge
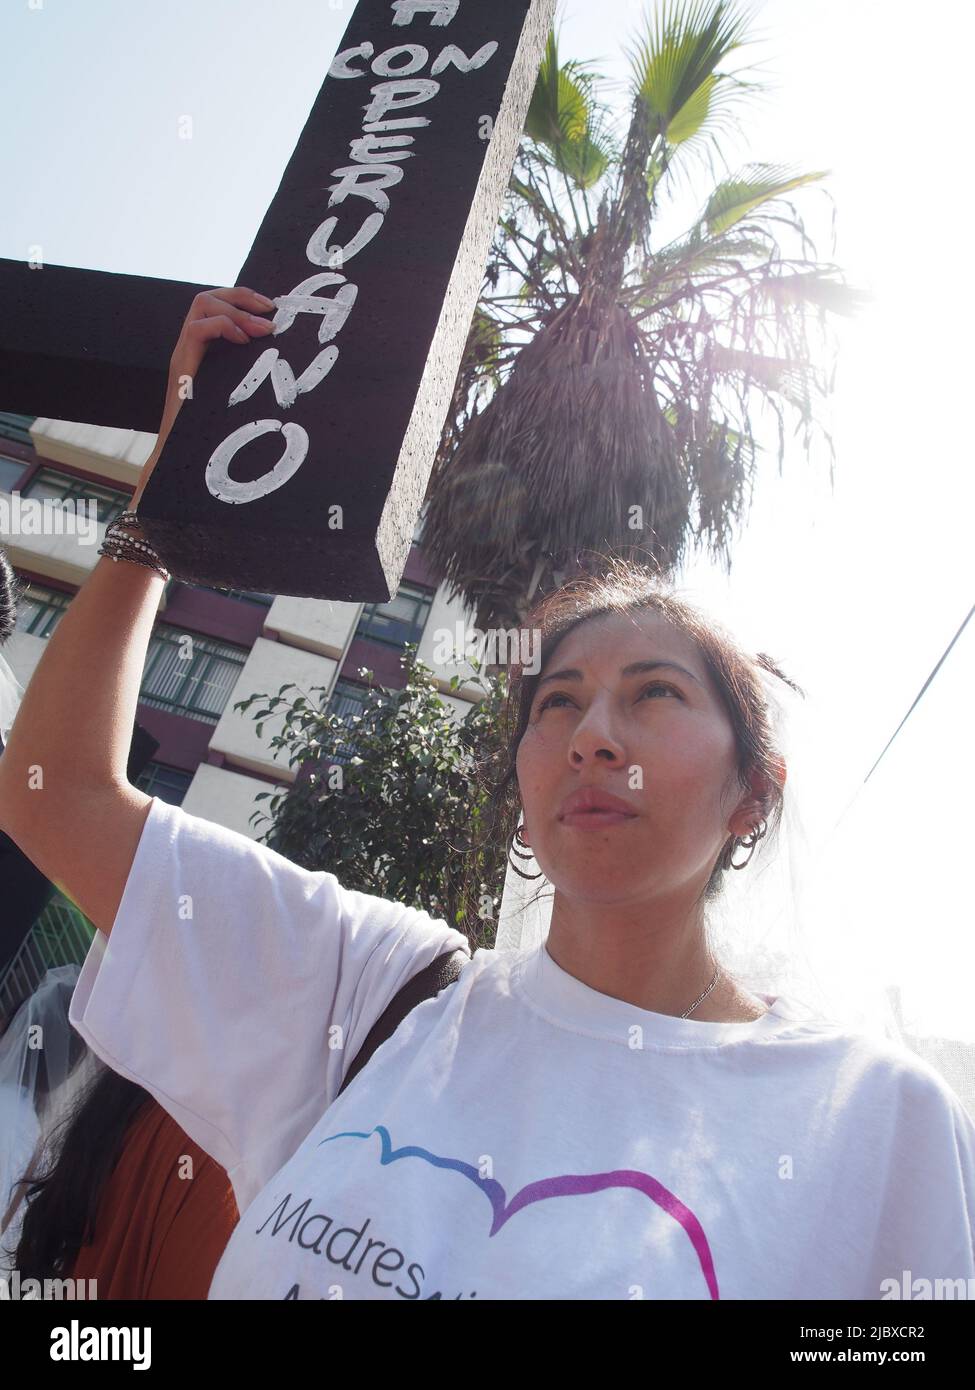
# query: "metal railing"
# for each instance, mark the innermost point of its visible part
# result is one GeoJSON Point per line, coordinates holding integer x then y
{"type": "Point", "coordinates": [61, 935]}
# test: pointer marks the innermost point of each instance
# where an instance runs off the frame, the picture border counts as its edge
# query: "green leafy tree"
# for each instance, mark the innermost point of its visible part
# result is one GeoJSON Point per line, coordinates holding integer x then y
{"type": "Point", "coordinates": [401, 815]}
{"type": "Point", "coordinates": [607, 398]}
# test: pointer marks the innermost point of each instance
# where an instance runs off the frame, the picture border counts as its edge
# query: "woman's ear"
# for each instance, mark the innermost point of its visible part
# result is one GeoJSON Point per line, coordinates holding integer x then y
{"type": "Point", "coordinates": [756, 805]}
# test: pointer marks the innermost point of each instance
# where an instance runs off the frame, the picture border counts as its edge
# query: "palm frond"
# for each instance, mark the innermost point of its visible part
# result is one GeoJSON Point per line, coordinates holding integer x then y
{"type": "Point", "coordinates": [584, 161]}
{"type": "Point", "coordinates": [757, 185]}
{"type": "Point", "coordinates": [787, 377]}
{"type": "Point", "coordinates": [568, 122]}
{"type": "Point", "coordinates": [684, 262]}
{"type": "Point", "coordinates": [674, 66]}
{"type": "Point", "coordinates": [679, 93]}
{"type": "Point", "coordinates": [816, 288]}
{"type": "Point", "coordinates": [564, 104]}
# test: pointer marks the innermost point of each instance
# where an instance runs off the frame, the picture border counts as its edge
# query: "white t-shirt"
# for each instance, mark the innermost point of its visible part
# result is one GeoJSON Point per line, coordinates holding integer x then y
{"type": "Point", "coordinates": [521, 1136]}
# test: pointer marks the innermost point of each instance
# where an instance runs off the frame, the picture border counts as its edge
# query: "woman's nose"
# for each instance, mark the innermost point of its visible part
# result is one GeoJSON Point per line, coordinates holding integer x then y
{"type": "Point", "coordinates": [595, 738]}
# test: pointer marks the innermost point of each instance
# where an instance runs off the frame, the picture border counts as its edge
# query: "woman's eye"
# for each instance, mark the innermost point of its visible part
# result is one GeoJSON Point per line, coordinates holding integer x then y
{"type": "Point", "coordinates": [654, 685]}
{"type": "Point", "coordinates": [546, 702]}
{"type": "Point", "coordinates": [660, 685]}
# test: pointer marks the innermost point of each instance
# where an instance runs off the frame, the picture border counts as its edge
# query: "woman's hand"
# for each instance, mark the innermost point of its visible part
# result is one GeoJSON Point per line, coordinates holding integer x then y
{"type": "Point", "coordinates": [220, 313]}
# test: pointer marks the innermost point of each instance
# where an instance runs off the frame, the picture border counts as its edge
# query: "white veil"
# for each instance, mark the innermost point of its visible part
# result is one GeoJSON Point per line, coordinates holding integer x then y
{"type": "Point", "coordinates": [44, 1063]}
{"type": "Point", "coordinates": [802, 919]}
{"type": "Point", "coordinates": [11, 694]}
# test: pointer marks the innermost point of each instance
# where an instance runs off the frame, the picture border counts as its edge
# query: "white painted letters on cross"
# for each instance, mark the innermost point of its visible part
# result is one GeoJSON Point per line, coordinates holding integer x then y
{"type": "Point", "coordinates": [377, 155]}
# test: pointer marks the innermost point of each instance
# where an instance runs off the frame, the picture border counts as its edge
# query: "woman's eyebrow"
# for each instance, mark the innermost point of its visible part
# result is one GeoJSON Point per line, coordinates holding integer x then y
{"type": "Point", "coordinates": [635, 668]}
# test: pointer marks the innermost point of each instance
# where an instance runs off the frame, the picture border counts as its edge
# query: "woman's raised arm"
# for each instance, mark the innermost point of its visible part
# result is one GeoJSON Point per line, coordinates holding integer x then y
{"type": "Point", "coordinates": [65, 798]}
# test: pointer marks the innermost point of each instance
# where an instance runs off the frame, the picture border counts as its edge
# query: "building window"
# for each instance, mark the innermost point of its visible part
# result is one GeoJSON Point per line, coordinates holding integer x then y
{"type": "Point", "coordinates": [187, 673]}
{"type": "Point", "coordinates": [245, 595]}
{"type": "Point", "coordinates": [62, 487]}
{"type": "Point", "coordinates": [347, 700]}
{"type": "Point", "coordinates": [249, 596]}
{"type": "Point", "coordinates": [16, 427]}
{"type": "Point", "coordinates": [399, 621]}
{"type": "Point", "coordinates": [40, 610]}
{"type": "Point", "coordinates": [11, 472]}
{"type": "Point", "coordinates": [168, 783]}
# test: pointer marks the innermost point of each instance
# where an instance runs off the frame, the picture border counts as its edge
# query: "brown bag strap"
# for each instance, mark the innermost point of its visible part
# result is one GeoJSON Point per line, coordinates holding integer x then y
{"type": "Point", "coordinates": [425, 985]}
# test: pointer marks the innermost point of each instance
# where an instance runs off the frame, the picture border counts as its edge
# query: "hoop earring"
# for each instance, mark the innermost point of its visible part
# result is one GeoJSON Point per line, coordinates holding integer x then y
{"type": "Point", "coordinates": [516, 838]}
{"type": "Point", "coordinates": [749, 842]}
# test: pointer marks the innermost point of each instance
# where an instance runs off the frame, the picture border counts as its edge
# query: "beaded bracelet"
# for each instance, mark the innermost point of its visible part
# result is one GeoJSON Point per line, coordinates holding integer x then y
{"type": "Point", "coordinates": [131, 545]}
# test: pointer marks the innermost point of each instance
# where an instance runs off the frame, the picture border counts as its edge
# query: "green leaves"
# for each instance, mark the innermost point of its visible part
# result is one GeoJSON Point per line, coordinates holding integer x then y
{"type": "Point", "coordinates": [586, 160]}
{"type": "Point", "coordinates": [409, 795]}
{"type": "Point", "coordinates": [557, 111]}
{"type": "Point", "coordinates": [567, 120]}
{"type": "Point", "coordinates": [736, 198]}
{"type": "Point", "coordinates": [675, 65]}
{"type": "Point", "coordinates": [691, 117]}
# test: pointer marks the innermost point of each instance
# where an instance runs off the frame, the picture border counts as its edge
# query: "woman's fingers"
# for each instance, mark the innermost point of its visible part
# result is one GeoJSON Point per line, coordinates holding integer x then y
{"type": "Point", "coordinates": [229, 313]}
{"type": "Point", "coordinates": [222, 326]}
{"type": "Point", "coordinates": [233, 313]}
{"type": "Point", "coordinates": [240, 295]}
{"type": "Point", "coordinates": [239, 306]}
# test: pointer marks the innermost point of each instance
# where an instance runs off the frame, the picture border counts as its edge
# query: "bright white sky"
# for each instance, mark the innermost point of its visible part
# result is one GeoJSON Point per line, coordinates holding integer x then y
{"type": "Point", "coordinates": [857, 593]}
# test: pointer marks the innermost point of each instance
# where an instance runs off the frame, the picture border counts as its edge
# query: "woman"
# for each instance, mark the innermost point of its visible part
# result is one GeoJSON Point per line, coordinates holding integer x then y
{"type": "Point", "coordinates": [610, 1115]}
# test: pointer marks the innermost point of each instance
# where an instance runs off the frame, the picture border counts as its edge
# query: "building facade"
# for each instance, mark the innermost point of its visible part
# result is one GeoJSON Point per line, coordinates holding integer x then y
{"type": "Point", "coordinates": [209, 648]}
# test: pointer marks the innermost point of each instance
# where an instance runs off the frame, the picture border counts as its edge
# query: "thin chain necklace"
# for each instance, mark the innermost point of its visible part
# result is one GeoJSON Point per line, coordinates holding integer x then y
{"type": "Point", "coordinates": [703, 996]}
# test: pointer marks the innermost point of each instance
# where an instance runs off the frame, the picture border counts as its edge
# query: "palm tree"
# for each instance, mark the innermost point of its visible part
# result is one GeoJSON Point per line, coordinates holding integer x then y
{"type": "Point", "coordinates": [607, 394]}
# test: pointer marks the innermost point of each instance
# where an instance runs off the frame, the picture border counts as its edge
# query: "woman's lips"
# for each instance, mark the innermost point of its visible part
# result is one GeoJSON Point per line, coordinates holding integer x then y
{"type": "Point", "coordinates": [596, 820]}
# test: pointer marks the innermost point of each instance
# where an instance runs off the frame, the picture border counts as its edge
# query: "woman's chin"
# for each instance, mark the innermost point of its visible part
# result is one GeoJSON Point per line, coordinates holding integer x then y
{"type": "Point", "coordinates": [605, 879]}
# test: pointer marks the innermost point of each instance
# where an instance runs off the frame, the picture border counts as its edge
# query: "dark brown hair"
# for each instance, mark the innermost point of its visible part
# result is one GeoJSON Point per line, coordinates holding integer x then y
{"type": "Point", "coordinates": [622, 587]}
{"type": "Point", "coordinates": [62, 1204]}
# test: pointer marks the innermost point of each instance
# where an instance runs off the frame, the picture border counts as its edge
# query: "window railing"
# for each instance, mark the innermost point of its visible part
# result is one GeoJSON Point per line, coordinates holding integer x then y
{"type": "Point", "coordinates": [61, 935]}
{"type": "Point", "coordinates": [187, 673]}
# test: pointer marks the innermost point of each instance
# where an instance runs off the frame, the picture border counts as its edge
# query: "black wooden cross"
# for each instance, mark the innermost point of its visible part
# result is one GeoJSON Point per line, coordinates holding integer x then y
{"type": "Point", "coordinates": [299, 464]}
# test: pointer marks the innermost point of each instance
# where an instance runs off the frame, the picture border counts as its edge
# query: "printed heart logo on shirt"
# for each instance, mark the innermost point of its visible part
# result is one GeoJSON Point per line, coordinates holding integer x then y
{"type": "Point", "coordinates": [564, 1185]}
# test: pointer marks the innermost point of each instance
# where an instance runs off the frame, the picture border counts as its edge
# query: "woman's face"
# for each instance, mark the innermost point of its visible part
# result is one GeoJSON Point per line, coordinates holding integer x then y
{"type": "Point", "coordinates": [658, 739]}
